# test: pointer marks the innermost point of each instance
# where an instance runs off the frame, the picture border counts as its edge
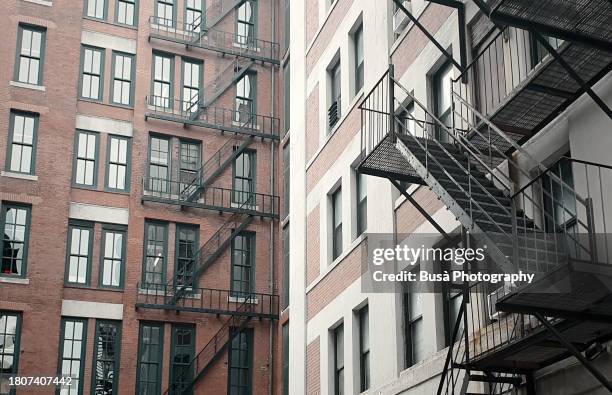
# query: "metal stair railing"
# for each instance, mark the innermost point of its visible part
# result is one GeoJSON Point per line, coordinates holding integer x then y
{"type": "Point", "coordinates": [209, 353]}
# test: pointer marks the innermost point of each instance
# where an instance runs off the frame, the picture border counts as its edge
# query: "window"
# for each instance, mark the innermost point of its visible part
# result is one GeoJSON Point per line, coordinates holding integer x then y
{"type": "Point", "coordinates": [241, 362]}
{"type": "Point", "coordinates": [359, 58]}
{"type": "Point", "coordinates": [126, 12]}
{"type": "Point", "coordinates": [413, 325]}
{"type": "Point", "coordinates": [95, 9]}
{"type": "Point", "coordinates": [123, 72]}
{"type": "Point", "coordinates": [189, 162]}
{"type": "Point", "coordinates": [72, 352]}
{"type": "Point", "coordinates": [287, 25]}
{"type": "Point", "coordinates": [287, 97]}
{"type": "Point", "coordinates": [30, 54]}
{"type": "Point", "coordinates": [560, 200]}
{"type": "Point", "coordinates": [159, 163]}
{"type": "Point", "coordinates": [335, 108]}
{"type": "Point", "coordinates": [192, 85]}
{"type": "Point", "coordinates": [117, 174]}
{"type": "Point", "coordinates": [182, 351]}
{"type": "Point", "coordinates": [286, 266]}
{"type": "Point", "coordinates": [164, 12]}
{"type": "Point", "coordinates": [92, 71]}
{"type": "Point", "coordinates": [193, 15]}
{"type": "Point", "coordinates": [244, 178]}
{"type": "Point", "coordinates": [338, 339]}
{"type": "Point", "coordinates": [85, 164]}
{"type": "Point", "coordinates": [156, 254]}
{"type": "Point", "coordinates": [107, 345]}
{"type": "Point", "coordinates": [21, 154]}
{"type": "Point", "coordinates": [243, 254]}
{"type": "Point", "coordinates": [163, 87]}
{"type": "Point", "coordinates": [10, 331]}
{"type": "Point", "coordinates": [80, 237]}
{"type": "Point", "coordinates": [245, 99]}
{"type": "Point", "coordinates": [150, 351]}
{"type": "Point", "coordinates": [336, 223]}
{"type": "Point", "coordinates": [364, 349]}
{"type": "Point", "coordinates": [186, 249]}
{"type": "Point", "coordinates": [15, 228]}
{"type": "Point", "coordinates": [362, 203]}
{"type": "Point", "coordinates": [113, 257]}
{"type": "Point", "coordinates": [245, 28]}
{"type": "Point", "coordinates": [286, 178]}
{"type": "Point", "coordinates": [442, 98]}
{"type": "Point", "coordinates": [285, 362]}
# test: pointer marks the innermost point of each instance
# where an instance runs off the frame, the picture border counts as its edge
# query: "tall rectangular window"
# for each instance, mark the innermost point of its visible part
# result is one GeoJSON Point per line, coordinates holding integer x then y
{"type": "Point", "coordinates": [95, 9]}
{"type": "Point", "coordinates": [189, 164]}
{"type": "Point", "coordinates": [186, 248]}
{"type": "Point", "coordinates": [286, 266]}
{"type": "Point", "coordinates": [85, 168]}
{"type": "Point", "coordinates": [413, 324]}
{"type": "Point", "coordinates": [245, 23]}
{"type": "Point", "coordinates": [193, 15]}
{"type": "Point", "coordinates": [107, 344]}
{"type": "Point", "coordinates": [362, 203]}
{"type": "Point", "coordinates": [335, 108]}
{"type": "Point", "coordinates": [15, 230]}
{"type": "Point", "coordinates": [243, 255]}
{"type": "Point", "coordinates": [287, 97]}
{"type": "Point", "coordinates": [244, 178]}
{"type": "Point", "coordinates": [245, 99]}
{"type": "Point", "coordinates": [286, 178]}
{"type": "Point", "coordinates": [192, 85]}
{"type": "Point", "coordinates": [159, 163]}
{"type": "Point", "coordinates": [125, 12]}
{"type": "Point", "coordinates": [364, 349]}
{"type": "Point", "coordinates": [164, 12]}
{"type": "Point", "coordinates": [113, 257]}
{"type": "Point", "coordinates": [163, 87]}
{"type": "Point", "coordinates": [117, 175]}
{"type": "Point", "coordinates": [21, 154]}
{"type": "Point", "coordinates": [30, 54]}
{"type": "Point", "coordinates": [150, 352]}
{"type": "Point", "coordinates": [442, 82]}
{"type": "Point", "coordinates": [285, 362]}
{"type": "Point", "coordinates": [337, 223]}
{"type": "Point", "coordinates": [156, 254]}
{"type": "Point", "coordinates": [241, 363]}
{"type": "Point", "coordinates": [92, 71]}
{"type": "Point", "coordinates": [182, 351]}
{"type": "Point", "coordinates": [72, 352]}
{"type": "Point", "coordinates": [80, 251]}
{"type": "Point", "coordinates": [10, 331]}
{"type": "Point", "coordinates": [359, 58]}
{"type": "Point", "coordinates": [338, 340]}
{"type": "Point", "coordinates": [123, 74]}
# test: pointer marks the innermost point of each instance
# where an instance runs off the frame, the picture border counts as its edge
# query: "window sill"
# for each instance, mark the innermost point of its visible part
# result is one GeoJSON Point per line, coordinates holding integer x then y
{"type": "Point", "coordinates": [21, 176]}
{"type": "Point", "coordinates": [46, 3]}
{"type": "Point", "coordinates": [14, 280]}
{"type": "Point", "coordinates": [25, 85]}
{"type": "Point", "coordinates": [238, 299]}
{"type": "Point", "coordinates": [101, 102]}
{"type": "Point", "coordinates": [101, 20]}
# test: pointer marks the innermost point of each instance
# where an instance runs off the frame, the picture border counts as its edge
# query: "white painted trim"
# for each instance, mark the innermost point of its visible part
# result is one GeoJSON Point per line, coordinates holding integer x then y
{"type": "Point", "coordinates": [13, 280]}
{"type": "Point", "coordinates": [80, 308]}
{"type": "Point", "coordinates": [27, 86]}
{"type": "Point", "coordinates": [104, 125]}
{"type": "Point", "coordinates": [96, 213]}
{"type": "Point", "coordinates": [104, 40]}
{"type": "Point", "coordinates": [29, 177]}
{"type": "Point", "coordinates": [237, 299]}
{"type": "Point", "coordinates": [46, 3]}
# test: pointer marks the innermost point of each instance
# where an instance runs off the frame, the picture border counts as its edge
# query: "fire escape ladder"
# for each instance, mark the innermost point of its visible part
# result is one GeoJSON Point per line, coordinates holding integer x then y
{"type": "Point", "coordinates": [214, 166]}
{"type": "Point", "coordinates": [218, 10]}
{"type": "Point", "coordinates": [205, 358]}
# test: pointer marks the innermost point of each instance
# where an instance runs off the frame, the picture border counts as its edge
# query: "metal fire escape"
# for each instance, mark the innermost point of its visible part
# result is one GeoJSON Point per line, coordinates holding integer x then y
{"type": "Point", "coordinates": [195, 190]}
{"type": "Point", "coordinates": [548, 227]}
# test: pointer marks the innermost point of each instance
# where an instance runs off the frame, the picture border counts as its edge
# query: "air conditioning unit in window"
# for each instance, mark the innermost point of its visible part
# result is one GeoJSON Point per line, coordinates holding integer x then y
{"type": "Point", "coordinates": [496, 295]}
{"type": "Point", "coordinates": [400, 19]}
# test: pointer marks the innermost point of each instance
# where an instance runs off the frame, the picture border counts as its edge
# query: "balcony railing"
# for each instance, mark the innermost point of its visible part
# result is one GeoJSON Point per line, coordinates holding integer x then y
{"type": "Point", "coordinates": [207, 300]}
{"type": "Point", "coordinates": [193, 112]}
{"type": "Point", "coordinates": [173, 191]}
{"type": "Point", "coordinates": [192, 34]}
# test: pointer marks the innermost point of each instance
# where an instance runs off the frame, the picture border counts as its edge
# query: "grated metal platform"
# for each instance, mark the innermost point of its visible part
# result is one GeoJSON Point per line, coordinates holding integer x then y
{"type": "Point", "coordinates": [387, 162]}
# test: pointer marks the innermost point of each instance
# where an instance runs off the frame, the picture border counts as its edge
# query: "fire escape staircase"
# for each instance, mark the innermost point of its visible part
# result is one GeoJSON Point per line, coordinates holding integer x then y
{"type": "Point", "coordinates": [215, 347]}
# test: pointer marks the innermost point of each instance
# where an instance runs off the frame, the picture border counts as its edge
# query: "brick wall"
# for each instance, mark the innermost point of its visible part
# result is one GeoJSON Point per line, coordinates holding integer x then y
{"type": "Point", "coordinates": [313, 367]}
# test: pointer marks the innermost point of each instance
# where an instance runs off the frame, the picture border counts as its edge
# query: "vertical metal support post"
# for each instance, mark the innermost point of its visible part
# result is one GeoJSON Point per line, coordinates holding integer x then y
{"type": "Point", "coordinates": [391, 101]}
{"type": "Point", "coordinates": [591, 224]}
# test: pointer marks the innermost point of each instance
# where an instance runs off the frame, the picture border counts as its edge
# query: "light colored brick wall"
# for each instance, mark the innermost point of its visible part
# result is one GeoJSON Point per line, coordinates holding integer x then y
{"type": "Point", "coordinates": [408, 218]}
{"type": "Point", "coordinates": [313, 257]}
{"type": "Point", "coordinates": [313, 367]}
{"type": "Point", "coordinates": [312, 123]}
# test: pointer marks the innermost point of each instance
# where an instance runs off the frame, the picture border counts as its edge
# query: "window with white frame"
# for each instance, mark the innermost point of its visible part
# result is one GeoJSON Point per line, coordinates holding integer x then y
{"type": "Point", "coordinates": [162, 80]}
{"type": "Point", "coordinates": [123, 73]}
{"type": "Point", "coordinates": [413, 325]}
{"type": "Point", "coordinates": [30, 54]}
{"type": "Point", "coordinates": [21, 154]}
{"type": "Point", "coordinates": [96, 9]}
{"type": "Point", "coordinates": [80, 251]}
{"type": "Point", "coordinates": [85, 160]}
{"type": "Point", "coordinates": [338, 343]}
{"type": "Point", "coordinates": [113, 257]}
{"type": "Point", "coordinates": [117, 177]}
{"type": "Point", "coordinates": [72, 352]}
{"type": "Point", "coordinates": [359, 58]}
{"type": "Point", "coordinates": [362, 203]}
{"type": "Point", "coordinates": [126, 12]}
{"type": "Point", "coordinates": [364, 348]}
{"type": "Point", "coordinates": [164, 12]}
{"type": "Point", "coordinates": [92, 72]}
{"type": "Point", "coordinates": [336, 199]}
